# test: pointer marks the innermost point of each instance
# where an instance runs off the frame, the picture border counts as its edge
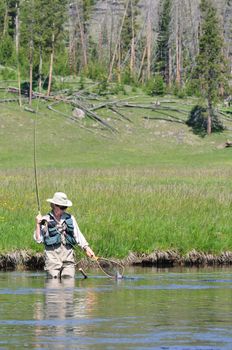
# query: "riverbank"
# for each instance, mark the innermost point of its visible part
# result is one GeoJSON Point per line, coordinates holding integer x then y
{"type": "Point", "coordinates": [26, 260]}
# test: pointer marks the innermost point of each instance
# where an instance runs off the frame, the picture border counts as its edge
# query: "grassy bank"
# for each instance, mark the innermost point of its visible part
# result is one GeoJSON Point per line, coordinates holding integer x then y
{"type": "Point", "coordinates": [152, 185]}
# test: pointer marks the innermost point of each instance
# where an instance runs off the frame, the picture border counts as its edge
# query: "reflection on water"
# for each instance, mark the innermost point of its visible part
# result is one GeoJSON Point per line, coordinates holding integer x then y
{"type": "Point", "coordinates": [175, 309]}
{"type": "Point", "coordinates": [59, 308]}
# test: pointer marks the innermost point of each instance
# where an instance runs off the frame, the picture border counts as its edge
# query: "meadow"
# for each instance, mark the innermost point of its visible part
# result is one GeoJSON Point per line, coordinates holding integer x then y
{"type": "Point", "coordinates": [151, 185]}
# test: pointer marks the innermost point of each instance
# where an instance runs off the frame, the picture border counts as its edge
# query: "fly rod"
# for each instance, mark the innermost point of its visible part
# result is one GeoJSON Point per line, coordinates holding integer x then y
{"type": "Point", "coordinates": [35, 168]}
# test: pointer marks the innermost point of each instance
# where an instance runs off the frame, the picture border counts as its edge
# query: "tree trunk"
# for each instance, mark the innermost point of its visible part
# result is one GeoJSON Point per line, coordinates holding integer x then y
{"type": "Point", "coordinates": [209, 117]}
{"type": "Point", "coordinates": [83, 41]}
{"type": "Point", "coordinates": [132, 58]}
{"type": "Point", "coordinates": [178, 58]}
{"type": "Point", "coordinates": [169, 67]}
{"type": "Point", "coordinates": [100, 47]}
{"type": "Point", "coordinates": [110, 37]}
{"type": "Point", "coordinates": [70, 41]}
{"type": "Point", "coordinates": [17, 34]}
{"type": "Point", "coordinates": [149, 29]}
{"type": "Point", "coordinates": [31, 53]}
{"type": "Point", "coordinates": [142, 62]}
{"type": "Point", "coordinates": [31, 80]}
{"type": "Point", "coordinates": [209, 124]}
{"type": "Point", "coordinates": [51, 65]}
{"type": "Point", "coordinates": [117, 43]}
{"type": "Point", "coordinates": [119, 64]}
{"type": "Point", "coordinates": [5, 24]}
{"type": "Point", "coordinates": [178, 49]}
{"type": "Point", "coordinates": [40, 69]}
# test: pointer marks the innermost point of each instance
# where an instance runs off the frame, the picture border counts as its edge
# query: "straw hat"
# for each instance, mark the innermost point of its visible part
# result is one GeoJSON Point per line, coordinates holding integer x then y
{"type": "Point", "coordinates": [61, 199]}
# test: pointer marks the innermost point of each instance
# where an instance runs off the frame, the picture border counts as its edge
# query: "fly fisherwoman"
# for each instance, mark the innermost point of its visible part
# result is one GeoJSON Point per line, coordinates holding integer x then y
{"type": "Point", "coordinates": [60, 233]}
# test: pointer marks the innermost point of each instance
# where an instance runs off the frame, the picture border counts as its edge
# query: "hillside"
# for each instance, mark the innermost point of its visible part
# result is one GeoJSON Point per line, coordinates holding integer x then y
{"type": "Point", "coordinates": [138, 130]}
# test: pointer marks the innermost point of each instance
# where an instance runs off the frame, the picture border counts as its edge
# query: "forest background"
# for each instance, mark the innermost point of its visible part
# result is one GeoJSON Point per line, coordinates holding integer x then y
{"type": "Point", "coordinates": [129, 41]}
{"type": "Point", "coordinates": [150, 50]}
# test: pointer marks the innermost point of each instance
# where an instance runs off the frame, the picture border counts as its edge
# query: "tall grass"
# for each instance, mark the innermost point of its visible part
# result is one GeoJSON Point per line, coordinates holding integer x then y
{"type": "Point", "coordinates": [122, 210]}
{"type": "Point", "coordinates": [153, 185]}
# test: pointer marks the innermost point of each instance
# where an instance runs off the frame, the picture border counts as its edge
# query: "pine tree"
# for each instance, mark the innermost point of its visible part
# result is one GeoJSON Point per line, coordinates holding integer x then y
{"type": "Point", "coordinates": [7, 30]}
{"type": "Point", "coordinates": [162, 53]}
{"type": "Point", "coordinates": [3, 9]}
{"type": "Point", "coordinates": [210, 64]}
{"type": "Point", "coordinates": [53, 30]}
{"type": "Point", "coordinates": [42, 30]}
{"type": "Point", "coordinates": [129, 29]}
{"type": "Point", "coordinates": [27, 18]}
{"type": "Point", "coordinates": [10, 6]}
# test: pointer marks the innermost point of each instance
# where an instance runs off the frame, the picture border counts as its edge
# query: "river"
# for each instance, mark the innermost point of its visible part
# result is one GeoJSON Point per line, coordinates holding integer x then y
{"type": "Point", "coordinates": [174, 308]}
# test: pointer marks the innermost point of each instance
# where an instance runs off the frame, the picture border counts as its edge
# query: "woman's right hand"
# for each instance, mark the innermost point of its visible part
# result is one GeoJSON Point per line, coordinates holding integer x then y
{"type": "Point", "coordinates": [38, 219]}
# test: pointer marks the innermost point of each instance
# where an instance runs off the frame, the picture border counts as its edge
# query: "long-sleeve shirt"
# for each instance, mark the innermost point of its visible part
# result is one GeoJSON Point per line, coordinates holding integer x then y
{"type": "Point", "coordinates": [79, 237]}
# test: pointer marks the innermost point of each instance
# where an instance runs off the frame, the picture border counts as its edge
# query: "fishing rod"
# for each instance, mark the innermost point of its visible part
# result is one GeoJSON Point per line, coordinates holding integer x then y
{"type": "Point", "coordinates": [35, 167]}
{"type": "Point", "coordinates": [34, 156]}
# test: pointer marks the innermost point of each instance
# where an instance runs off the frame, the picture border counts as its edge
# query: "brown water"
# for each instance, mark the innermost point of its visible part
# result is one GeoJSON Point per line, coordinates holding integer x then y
{"type": "Point", "coordinates": [149, 309]}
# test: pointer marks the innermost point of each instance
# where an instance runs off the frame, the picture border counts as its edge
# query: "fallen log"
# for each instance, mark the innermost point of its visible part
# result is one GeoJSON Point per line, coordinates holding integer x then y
{"type": "Point", "coordinates": [5, 100]}
{"type": "Point", "coordinates": [225, 116]}
{"type": "Point", "coordinates": [74, 119]}
{"type": "Point", "coordinates": [29, 109]}
{"type": "Point", "coordinates": [151, 106]}
{"type": "Point", "coordinates": [120, 114]}
{"type": "Point", "coordinates": [166, 120]}
{"type": "Point", "coordinates": [228, 143]}
{"type": "Point", "coordinates": [171, 118]}
{"type": "Point", "coordinates": [109, 103]}
{"type": "Point", "coordinates": [25, 93]}
{"type": "Point", "coordinates": [93, 116]}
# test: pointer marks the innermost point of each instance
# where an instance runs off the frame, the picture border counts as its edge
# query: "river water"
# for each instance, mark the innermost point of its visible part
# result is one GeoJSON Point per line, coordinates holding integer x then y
{"type": "Point", "coordinates": [150, 308]}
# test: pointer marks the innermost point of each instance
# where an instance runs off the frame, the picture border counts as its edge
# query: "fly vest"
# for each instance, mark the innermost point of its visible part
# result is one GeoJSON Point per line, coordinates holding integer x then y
{"type": "Point", "coordinates": [54, 231]}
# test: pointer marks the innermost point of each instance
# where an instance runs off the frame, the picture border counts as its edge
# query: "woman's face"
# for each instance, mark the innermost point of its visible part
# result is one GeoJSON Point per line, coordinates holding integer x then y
{"type": "Point", "coordinates": [58, 210]}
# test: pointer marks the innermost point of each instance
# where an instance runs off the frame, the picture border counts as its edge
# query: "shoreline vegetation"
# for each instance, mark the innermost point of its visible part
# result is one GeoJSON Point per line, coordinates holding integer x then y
{"type": "Point", "coordinates": [26, 260]}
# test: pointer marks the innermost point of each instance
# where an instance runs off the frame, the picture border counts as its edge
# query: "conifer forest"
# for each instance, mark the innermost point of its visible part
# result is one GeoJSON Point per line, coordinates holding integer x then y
{"type": "Point", "coordinates": [167, 45]}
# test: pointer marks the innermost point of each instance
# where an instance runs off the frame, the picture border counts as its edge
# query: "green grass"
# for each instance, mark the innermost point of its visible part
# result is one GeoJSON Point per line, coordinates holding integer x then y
{"type": "Point", "coordinates": [153, 185]}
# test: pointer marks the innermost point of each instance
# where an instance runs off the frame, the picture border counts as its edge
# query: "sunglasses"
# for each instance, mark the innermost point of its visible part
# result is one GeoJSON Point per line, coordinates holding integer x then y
{"type": "Point", "coordinates": [62, 208]}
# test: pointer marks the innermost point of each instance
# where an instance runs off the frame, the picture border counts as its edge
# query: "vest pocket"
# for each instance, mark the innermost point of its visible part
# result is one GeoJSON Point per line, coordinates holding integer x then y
{"type": "Point", "coordinates": [52, 240]}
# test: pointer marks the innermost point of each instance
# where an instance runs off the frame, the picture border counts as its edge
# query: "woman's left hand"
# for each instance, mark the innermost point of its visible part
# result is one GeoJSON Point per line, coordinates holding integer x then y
{"type": "Point", "coordinates": [89, 252]}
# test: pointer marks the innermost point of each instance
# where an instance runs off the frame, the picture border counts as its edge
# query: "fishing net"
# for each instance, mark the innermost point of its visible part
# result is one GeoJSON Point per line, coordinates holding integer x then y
{"type": "Point", "coordinates": [110, 267]}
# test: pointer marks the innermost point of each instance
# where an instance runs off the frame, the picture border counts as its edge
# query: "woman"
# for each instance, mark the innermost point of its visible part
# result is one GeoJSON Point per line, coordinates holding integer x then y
{"type": "Point", "coordinates": [59, 232]}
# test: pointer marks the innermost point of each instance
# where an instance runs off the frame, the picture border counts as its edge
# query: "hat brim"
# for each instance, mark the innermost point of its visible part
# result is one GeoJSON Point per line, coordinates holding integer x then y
{"type": "Point", "coordinates": [67, 203]}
